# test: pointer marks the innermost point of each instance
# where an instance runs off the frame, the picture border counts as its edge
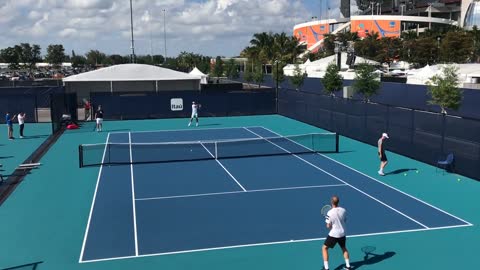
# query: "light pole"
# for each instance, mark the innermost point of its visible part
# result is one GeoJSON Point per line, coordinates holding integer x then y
{"type": "Point", "coordinates": [164, 37]}
{"type": "Point", "coordinates": [132, 45]}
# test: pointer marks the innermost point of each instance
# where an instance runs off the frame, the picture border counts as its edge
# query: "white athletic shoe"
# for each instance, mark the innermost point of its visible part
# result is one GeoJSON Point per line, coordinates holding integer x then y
{"type": "Point", "coordinates": [381, 173]}
{"type": "Point", "coordinates": [189, 124]}
{"type": "Point", "coordinates": [196, 124]}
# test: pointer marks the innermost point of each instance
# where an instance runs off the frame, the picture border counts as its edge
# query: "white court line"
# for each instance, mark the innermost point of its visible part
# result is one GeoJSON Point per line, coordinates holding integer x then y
{"type": "Point", "coordinates": [93, 202]}
{"type": "Point", "coordinates": [133, 196]}
{"type": "Point", "coordinates": [174, 130]}
{"type": "Point", "coordinates": [359, 190]}
{"type": "Point", "coordinates": [237, 192]}
{"type": "Point", "coordinates": [238, 183]}
{"type": "Point", "coordinates": [404, 193]}
{"type": "Point", "coordinates": [268, 243]}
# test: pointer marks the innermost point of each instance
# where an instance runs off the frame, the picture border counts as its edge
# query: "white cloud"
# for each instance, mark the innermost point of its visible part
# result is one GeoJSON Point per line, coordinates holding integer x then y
{"type": "Point", "coordinates": [209, 27]}
{"type": "Point", "coordinates": [67, 32]}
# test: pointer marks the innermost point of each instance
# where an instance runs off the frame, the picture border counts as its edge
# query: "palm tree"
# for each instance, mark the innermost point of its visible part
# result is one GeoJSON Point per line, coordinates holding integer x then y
{"type": "Point", "coordinates": [263, 43]}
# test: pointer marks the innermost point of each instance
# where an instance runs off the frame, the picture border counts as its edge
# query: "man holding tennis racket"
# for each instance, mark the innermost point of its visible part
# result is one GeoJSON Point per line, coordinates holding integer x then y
{"type": "Point", "coordinates": [195, 108]}
{"type": "Point", "coordinates": [335, 218]}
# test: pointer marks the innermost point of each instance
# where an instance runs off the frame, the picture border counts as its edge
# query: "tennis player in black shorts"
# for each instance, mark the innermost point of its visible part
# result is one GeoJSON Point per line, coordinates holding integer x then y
{"type": "Point", "coordinates": [381, 153]}
{"type": "Point", "coordinates": [336, 220]}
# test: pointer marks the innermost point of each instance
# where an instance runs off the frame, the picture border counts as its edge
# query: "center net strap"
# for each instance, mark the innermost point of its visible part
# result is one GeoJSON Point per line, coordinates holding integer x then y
{"type": "Point", "coordinates": [119, 153]}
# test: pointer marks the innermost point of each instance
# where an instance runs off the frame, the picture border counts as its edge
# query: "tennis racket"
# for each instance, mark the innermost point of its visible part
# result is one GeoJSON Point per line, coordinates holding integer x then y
{"type": "Point", "coordinates": [325, 210]}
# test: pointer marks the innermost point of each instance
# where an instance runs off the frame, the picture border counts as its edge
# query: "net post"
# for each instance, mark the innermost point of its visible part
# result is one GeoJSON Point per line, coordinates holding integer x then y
{"type": "Point", "coordinates": [80, 156]}
{"type": "Point", "coordinates": [337, 142]}
{"type": "Point", "coordinates": [216, 150]}
{"type": "Point", "coordinates": [313, 143]}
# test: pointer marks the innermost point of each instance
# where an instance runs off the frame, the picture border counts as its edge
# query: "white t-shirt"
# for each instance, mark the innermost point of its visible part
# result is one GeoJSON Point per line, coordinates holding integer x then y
{"type": "Point", "coordinates": [21, 119]}
{"type": "Point", "coordinates": [337, 216]}
{"type": "Point", "coordinates": [194, 108]}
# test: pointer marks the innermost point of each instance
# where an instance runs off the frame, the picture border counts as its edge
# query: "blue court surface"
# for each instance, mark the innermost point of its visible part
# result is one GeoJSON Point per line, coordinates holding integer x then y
{"type": "Point", "coordinates": [164, 208]}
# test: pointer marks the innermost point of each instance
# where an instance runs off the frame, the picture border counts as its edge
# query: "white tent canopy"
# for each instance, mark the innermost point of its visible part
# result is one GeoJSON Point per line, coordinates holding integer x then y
{"type": "Point", "coordinates": [130, 72]}
{"type": "Point", "coordinates": [197, 72]}
{"type": "Point", "coordinates": [318, 67]}
{"type": "Point", "coordinates": [130, 78]}
{"type": "Point", "coordinates": [467, 74]}
{"type": "Point", "coordinates": [422, 75]}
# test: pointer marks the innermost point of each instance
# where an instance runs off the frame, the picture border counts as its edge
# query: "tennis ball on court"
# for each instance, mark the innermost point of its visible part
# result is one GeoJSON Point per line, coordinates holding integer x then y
{"type": "Point", "coordinates": [458, 179]}
{"type": "Point", "coordinates": [404, 174]}
{"type": "Point", "coordinates": [416, 171]}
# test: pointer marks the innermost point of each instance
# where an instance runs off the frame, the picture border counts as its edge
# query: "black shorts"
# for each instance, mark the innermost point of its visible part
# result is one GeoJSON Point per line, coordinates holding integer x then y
{"type": "Point", "coordinates": [330, 242]}
{"type": "Point", "coordinates": [383, 157]}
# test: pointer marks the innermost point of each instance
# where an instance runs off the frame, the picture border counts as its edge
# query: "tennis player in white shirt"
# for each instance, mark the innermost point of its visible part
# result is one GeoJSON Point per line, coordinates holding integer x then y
{"type": "Point", "coordinates": [195, 108]}
{"type": "Point", "coordinates": [336, 219]}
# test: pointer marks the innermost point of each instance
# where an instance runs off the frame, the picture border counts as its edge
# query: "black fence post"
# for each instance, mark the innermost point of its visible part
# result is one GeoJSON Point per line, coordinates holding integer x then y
{"type": "Point", "coordinates": [80, 156]}
{"type": "Point", "coordinates": [413, 126]}
{"type": "Point", "coordinates": [337, 143]}
{"type": "Point", "coordinates": [444, 122]}
{"type": "Point", "coordinates": [387, 121]}
{"type": "Point", "coordinates": [332, 127]}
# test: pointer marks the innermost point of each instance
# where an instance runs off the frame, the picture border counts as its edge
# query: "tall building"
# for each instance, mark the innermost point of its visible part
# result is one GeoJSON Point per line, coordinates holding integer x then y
{"type": "Point", "coordinates": [472, 15]}
{"type": "Point", "coordinates": [388, 18]}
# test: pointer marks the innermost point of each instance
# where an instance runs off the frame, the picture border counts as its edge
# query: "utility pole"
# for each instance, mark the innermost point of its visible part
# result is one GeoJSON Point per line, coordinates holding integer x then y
{"type": "Point", "coordinates": [164, 37]}
{"type": "Point", "coordinates": [132, 46]}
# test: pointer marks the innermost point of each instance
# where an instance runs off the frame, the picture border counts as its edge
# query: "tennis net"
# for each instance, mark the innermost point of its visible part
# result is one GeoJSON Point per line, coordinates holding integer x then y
{"type": "Point", "coordinates": [130, 153]}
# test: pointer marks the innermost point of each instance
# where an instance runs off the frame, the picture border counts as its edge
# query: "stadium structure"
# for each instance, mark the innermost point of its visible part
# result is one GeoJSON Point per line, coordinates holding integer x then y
{"type": "Point", "coordinates": [388, 18]}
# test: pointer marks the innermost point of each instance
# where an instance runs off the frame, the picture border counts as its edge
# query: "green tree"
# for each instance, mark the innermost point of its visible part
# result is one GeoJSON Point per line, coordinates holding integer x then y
{"type": "Point", "coordinates": [422, 51]}
{"type": "Point", "coordinates": [265, 48]}
{"type": "Point", "coordinates": [231, 69]}
{"type": "Point", "coordinates": [248, 74]}
{"type": "Point", "coordinates": [277, 73]}
{"type": "Point", "coordinates": [456, 47]}
{"type": "Point", "coordinates": [366, 82]}
{"type": "Point", "coordinates": [369, 47]}
{"type": "Point", "coordinates": [258, 75]}
{"type": "Point", "coordinates": [78, 61]}
{"type": "Point", "coordinates": [11, 56]}
{"type": "Point", "coordinates": [26, 55]}
{"type": "Point", "coordinates": [444, 89]}
{"type": "Point", "coordinates": [298, 77]}
{"type": "Point", "coordinates": [204, 65]}
{"type": "Point", "coordinates": [55, 55]}
{"type": "Point", "coordinates": [95, 58]}
{"type": "Point", "coordinates": [36, 55]}
{"type": "Point", "coordinates": [475, 33]}
{"type": "Point", "coordinates": [158, 59]}
{"type": "Point", "coordinates": [218, 69]}
{"type": "Point", "coordinates": [332, 81]}
{"type": "Point", "coordinates": [117, 59]}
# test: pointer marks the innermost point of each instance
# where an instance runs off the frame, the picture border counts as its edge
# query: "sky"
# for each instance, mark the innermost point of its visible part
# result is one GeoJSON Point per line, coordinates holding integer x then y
{"type": "Point", "coordinates": [207, 27]}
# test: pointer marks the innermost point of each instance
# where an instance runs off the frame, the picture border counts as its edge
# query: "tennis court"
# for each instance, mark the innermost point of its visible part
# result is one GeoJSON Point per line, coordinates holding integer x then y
{"type": "Point", "coordinates": [225, 188]}
{"type": "Point", "coordinates": [191, 214]}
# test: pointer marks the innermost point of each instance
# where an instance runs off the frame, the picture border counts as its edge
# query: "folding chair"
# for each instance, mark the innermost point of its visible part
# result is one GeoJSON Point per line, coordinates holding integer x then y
{"type": "Point", "coordinates": [448, 165]}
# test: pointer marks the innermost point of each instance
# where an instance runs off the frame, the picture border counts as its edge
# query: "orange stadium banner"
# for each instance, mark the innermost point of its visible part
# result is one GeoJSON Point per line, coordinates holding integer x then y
{"type": "Point", "coordinates": [311, 34]}
{"type": "Point", "coordinates": [385, 28]}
